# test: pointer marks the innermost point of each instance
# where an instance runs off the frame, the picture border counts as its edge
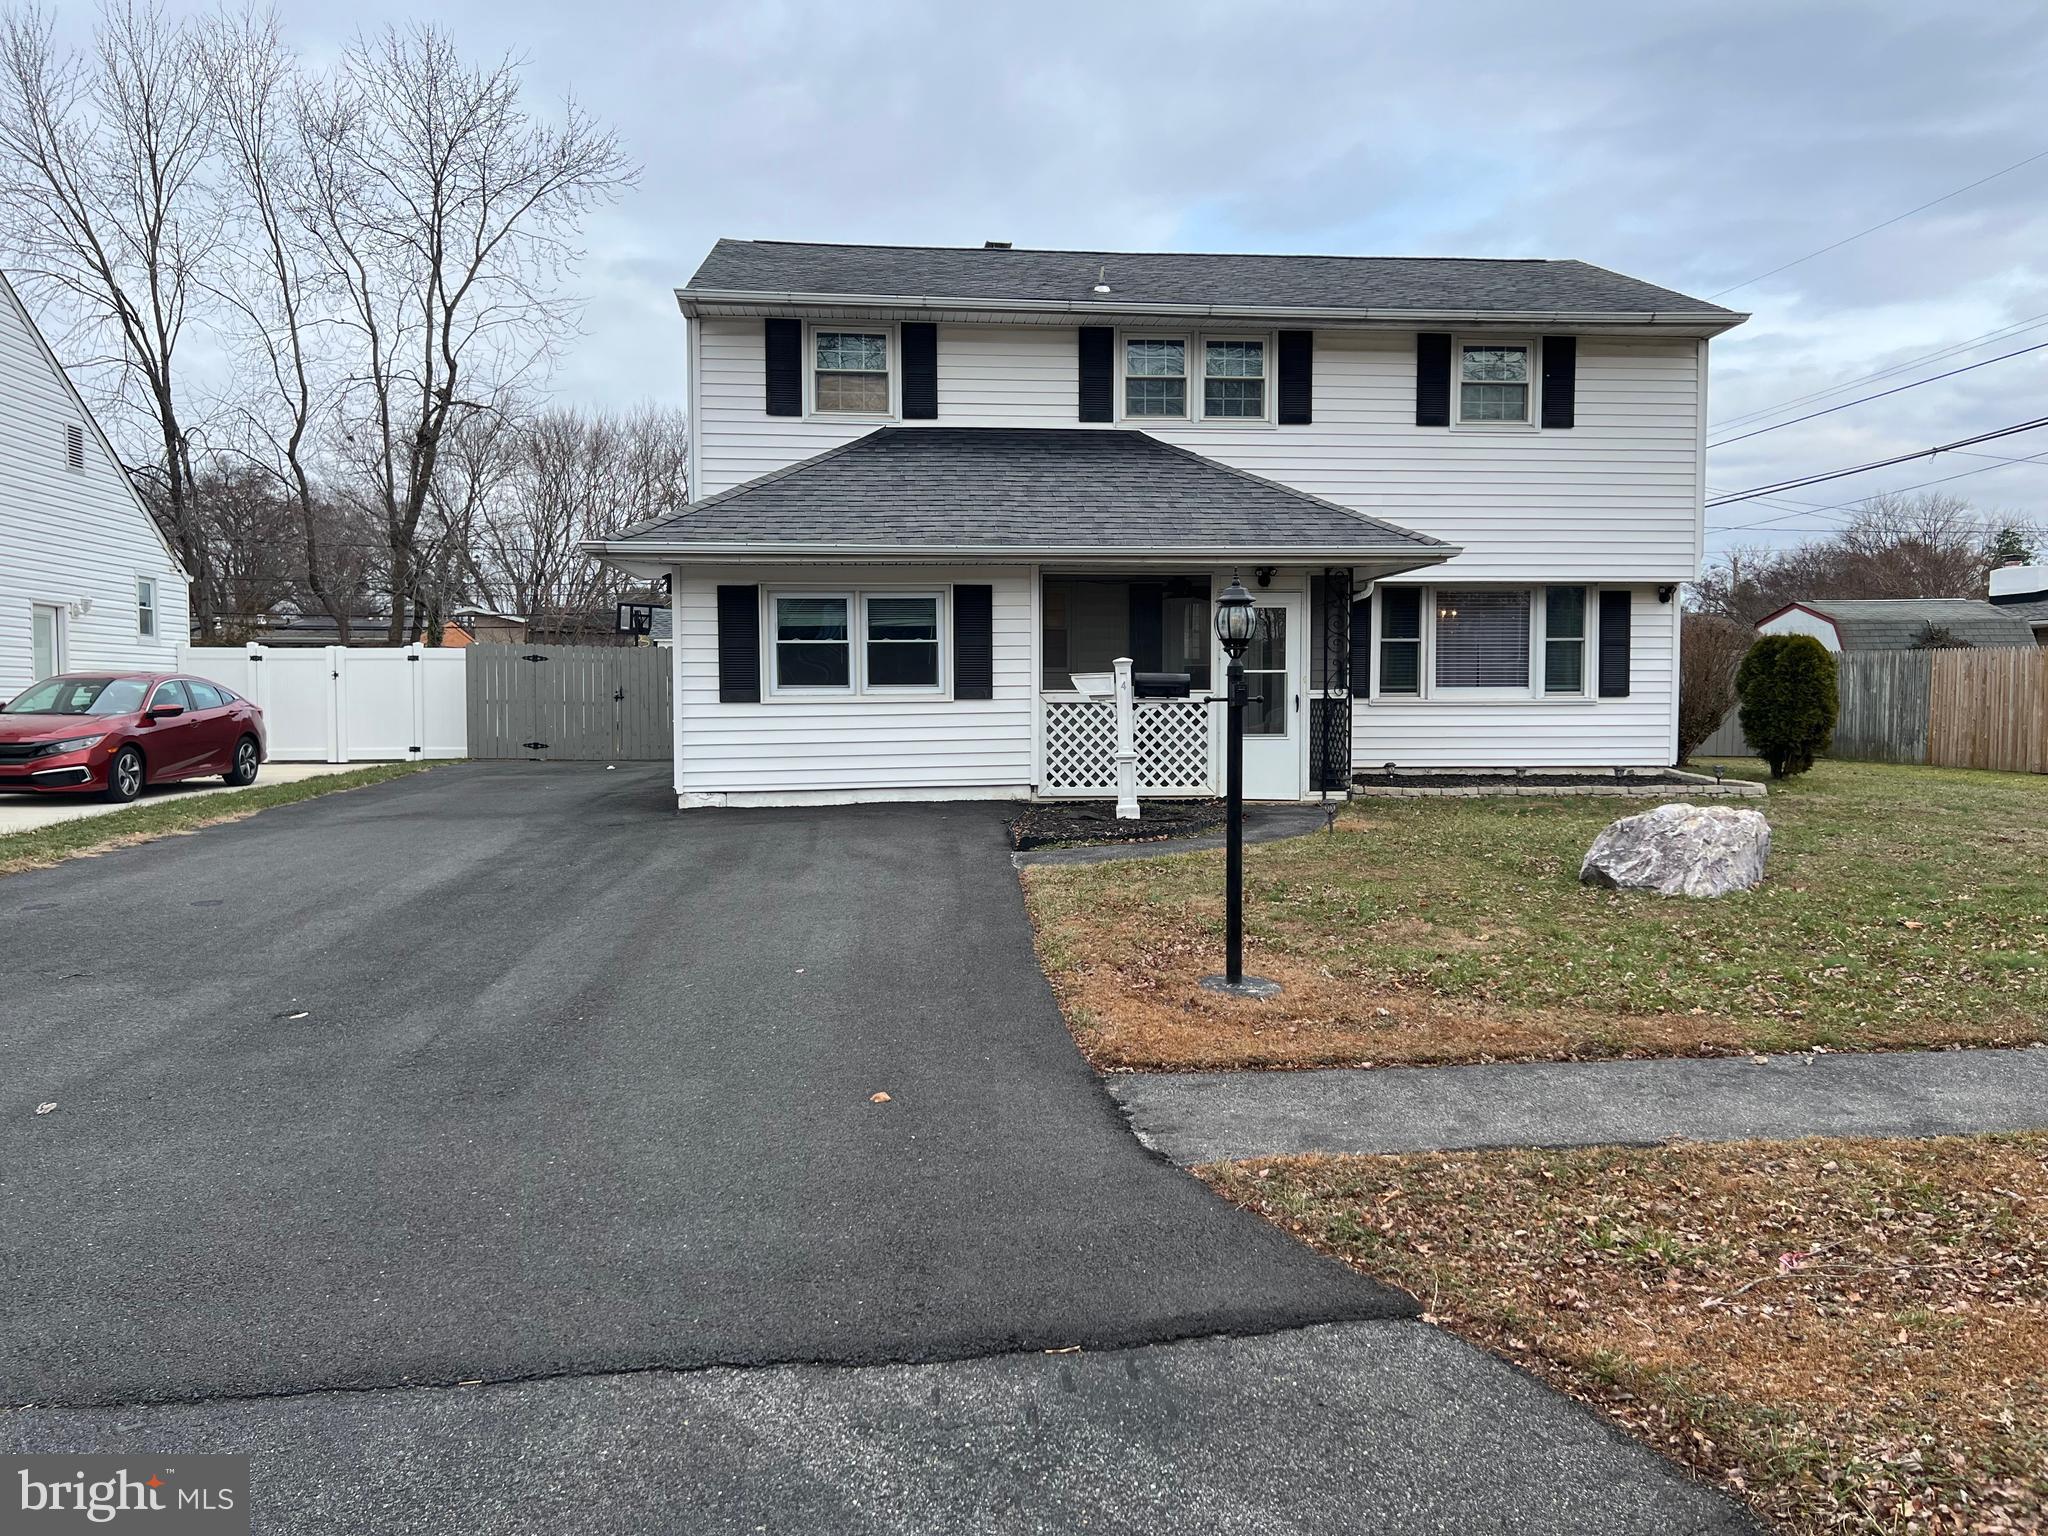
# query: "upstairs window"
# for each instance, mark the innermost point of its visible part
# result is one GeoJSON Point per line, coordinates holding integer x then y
{"type": "Point", "coordinates": [1234, 380]}
{"type": "Point", "coordinates": [1493, 382]}
{"type": "Point", "coordinates": [145, 607]}
{"type": "Point", "coordinates": [1155, 377]}
{"type": "Point", "coordinates": [850, 373]}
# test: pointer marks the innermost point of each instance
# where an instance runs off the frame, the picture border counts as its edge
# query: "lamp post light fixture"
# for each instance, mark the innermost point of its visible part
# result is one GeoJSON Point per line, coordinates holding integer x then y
{"type": "Point", "coordinates": [1237, 621]}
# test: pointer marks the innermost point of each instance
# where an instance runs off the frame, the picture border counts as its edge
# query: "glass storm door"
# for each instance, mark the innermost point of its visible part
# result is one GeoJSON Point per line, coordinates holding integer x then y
{"type": "Point", "coordinates": [46, 642]}
{"type": "Point", "coordinates": [1275, 728]}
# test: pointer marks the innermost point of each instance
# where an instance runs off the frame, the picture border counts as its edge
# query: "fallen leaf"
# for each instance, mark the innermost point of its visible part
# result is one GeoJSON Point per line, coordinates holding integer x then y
{"type": "Point", "coordinates": [878, 1098]}
{"type": "Point", "coordinates": [44, 1109]}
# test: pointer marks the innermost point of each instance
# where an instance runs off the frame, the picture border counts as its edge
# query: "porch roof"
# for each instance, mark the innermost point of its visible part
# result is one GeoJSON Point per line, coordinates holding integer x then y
{"type": "Point", "coordinates": [1017, 494]}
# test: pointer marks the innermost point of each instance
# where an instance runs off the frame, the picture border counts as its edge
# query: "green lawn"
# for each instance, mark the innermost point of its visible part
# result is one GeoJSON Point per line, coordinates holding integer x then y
{"type": "Point", "coordinates": [1903, 906]}
{"type": "Point", "coordinates": [164, 818]}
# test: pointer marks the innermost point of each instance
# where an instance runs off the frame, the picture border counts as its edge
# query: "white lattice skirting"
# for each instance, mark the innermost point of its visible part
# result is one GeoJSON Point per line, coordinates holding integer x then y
{"type": "Point", "coordinates": [1175, 754]}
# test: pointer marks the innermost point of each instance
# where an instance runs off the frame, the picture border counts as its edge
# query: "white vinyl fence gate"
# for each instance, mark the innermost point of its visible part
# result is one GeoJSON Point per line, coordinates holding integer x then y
{"type": "Point", "coordinates": [338, 704]}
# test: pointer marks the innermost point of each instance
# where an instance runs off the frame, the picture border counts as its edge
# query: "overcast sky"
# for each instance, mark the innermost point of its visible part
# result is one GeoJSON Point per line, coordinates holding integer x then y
{"type": "Point", "coordinates": [1694, 145]}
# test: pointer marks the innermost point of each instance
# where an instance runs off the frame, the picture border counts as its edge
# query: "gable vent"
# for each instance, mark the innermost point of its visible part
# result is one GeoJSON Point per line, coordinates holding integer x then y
{"type": "Point", "coordinates": [74, 446]}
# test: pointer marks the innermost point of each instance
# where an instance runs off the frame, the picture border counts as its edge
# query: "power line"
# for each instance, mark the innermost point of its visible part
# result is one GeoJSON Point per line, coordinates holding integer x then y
{"type": "Point", "coordinates": [1886, 224]}
{"type": "Point", "coordinates": [1856, 469]}
{"type": "Point", "coordinates": [1897, 389]}
{"type": "Point", "coordinates": [1840, 508]}
{"type": "Point", "coordinates": [1997, 333]}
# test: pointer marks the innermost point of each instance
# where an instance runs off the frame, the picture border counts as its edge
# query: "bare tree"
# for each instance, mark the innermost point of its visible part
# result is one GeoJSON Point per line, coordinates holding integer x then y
{"type": "Point", "coordinates": [1710, 648]}
{"type": "Point", "coordinates": [567, 476]}
{"type": "Point", "coordinates": [106, 206]}
{"type": "Point", "coordinates": [1926, 545]}
{"type": "Point", "coordinates": [443, 216]}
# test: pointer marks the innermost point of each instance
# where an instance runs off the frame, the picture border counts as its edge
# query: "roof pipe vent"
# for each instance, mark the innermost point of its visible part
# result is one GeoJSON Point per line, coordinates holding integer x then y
{"type": "Point", "coordinates": [995, 245]}
{"type": "Point", "coordinates": [1102, 279]}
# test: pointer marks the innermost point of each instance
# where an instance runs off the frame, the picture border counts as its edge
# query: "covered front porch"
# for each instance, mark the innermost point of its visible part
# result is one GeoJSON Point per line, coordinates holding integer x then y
{"type": "Point", "coordinates": [1297, 676]}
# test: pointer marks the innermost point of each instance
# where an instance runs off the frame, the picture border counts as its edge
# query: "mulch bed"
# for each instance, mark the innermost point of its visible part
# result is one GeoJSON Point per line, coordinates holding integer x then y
{"type": "Point", "coordinates": [1081, 823]}
{"type": "Point", "coordinates": [1385, 780]}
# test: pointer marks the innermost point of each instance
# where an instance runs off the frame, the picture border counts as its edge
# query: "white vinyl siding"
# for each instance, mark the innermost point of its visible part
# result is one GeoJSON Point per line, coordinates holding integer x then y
{"type": "Point", "coordinates": [854, 743]}
{"type": "Point", "coordinates": [1615, 498]}
{"type": "Point", "coordinates": [1472, 731]}
{"type": "Point", "coordinates": [72, 539]}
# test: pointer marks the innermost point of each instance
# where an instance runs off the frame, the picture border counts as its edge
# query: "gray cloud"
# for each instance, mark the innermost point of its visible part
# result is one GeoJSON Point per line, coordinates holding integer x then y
{"type": "Point", "coordinates": [1691, 144]}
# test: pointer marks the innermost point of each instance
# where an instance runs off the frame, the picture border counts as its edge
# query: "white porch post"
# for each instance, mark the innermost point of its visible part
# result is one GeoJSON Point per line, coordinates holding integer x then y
{"type": "Point", "coordinates": [1126, 742]}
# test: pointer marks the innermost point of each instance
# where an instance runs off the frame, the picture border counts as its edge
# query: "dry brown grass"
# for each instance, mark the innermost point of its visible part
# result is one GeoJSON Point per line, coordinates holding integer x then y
{"type": "Point", "coordinates": [1905, 907]}
{"type": "Point", "coordinates": [1852, 1335]}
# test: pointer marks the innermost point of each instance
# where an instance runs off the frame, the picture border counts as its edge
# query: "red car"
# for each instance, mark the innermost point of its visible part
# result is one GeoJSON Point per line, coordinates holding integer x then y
{"type": "Point", "coordinates": [110, 734]}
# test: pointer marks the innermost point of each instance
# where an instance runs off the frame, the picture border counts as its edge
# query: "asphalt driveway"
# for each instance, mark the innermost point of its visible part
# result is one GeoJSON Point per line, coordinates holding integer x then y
{"type": "Point", "coordinates": [505, 1071]}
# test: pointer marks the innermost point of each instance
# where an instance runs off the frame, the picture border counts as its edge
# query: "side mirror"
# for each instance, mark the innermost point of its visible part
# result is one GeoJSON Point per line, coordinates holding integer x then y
{"type": "Point", "coordinates": [166, 711]}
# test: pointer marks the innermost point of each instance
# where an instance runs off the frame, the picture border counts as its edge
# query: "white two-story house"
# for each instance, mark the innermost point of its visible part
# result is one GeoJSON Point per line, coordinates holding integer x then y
{"type": "Point", "coordinates": [933, 485]}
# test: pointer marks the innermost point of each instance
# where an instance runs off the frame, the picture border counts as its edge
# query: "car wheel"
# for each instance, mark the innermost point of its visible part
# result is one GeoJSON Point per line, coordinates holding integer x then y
{"type": "Point", "coordinates": [124, 776]}
{"type": "Point", "coordinates": [247, 761]}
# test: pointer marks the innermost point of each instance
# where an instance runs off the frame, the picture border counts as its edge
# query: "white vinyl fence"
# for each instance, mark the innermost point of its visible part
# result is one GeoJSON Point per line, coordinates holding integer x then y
{"type": "Point", "coordinates": [342, 705]}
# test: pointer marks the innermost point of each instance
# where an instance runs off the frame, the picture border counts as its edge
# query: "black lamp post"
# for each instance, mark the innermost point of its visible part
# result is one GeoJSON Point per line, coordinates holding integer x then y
{"type": "Point", "coordinates": [1237, 620]}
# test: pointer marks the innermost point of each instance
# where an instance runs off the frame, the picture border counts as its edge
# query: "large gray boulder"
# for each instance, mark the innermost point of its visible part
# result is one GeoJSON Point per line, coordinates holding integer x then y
{"type": "Point", "coordinates": [1681, 850]}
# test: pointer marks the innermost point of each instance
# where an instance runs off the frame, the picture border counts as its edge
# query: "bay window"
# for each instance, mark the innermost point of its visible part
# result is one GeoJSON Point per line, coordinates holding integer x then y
{"type": "Point", "coordinates": [1481, 642]}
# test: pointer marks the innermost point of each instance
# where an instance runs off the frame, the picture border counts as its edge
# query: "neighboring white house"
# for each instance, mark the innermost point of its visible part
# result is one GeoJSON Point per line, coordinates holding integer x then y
{"type": "Point", "coordinates": [2021, 591]}
{"type": "Point", "coordinates": [936, 483]}
{"type": "Point", "coordinates": [86, 579]}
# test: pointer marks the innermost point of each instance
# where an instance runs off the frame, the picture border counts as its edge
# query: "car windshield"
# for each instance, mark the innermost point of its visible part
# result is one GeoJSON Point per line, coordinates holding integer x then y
{"type": "Point", "coordinates": [81, 696]}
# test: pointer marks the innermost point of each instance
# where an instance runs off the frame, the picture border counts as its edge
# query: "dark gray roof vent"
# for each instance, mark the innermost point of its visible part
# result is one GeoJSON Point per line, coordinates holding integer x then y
{"type": "Point", "coordinates": [995, 245]}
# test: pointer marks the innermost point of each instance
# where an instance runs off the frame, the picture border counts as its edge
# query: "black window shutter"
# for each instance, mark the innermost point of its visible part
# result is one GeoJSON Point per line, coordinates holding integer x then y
{"type": "Point", "coordinates": [1432, 379]}
{"type": "Point", "coordinates": [739, 645]}
{"type": "Point", "coordinates": [783, 342]}
{"type": "Point", "coordinates": [1560, 380]}
{"type": "Point", "coordinates": [1098, 373]}
{"type": "Point", "coordinates": [1614, 622]}
{"type": "Point", "coordinates": [974, 643]}
{"type": "Point", "coordinates": [1148, 626]}
{"type": "Point", "coordinates": [1361, 648]}
{"type": "Point", "coordinates": [1297, 378]}
{"type": "Point", "coordinates": [920, 371]}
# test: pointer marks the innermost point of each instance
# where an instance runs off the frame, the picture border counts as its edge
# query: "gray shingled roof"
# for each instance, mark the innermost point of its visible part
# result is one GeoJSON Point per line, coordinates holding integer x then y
{"type": "Point", "coordinates": [2031, 612]}
{"type": "Point", "coordinates": [1894, 623]}
{"type": "Point", "coordinates": [1407, 284]}
{"type": "Point", "coordinates": [1016, 491]}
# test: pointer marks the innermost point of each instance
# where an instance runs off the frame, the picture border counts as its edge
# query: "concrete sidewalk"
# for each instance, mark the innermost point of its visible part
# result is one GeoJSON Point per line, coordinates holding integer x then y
{"type": "Point", "coordinates": [31, 813]}
{"type": "Point", "coordinates": [1212, 1116]}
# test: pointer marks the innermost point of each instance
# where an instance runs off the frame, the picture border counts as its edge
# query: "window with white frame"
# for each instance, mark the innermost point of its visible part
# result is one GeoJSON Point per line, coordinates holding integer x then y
{"type": "Point", "coordinates": [1482, 639]}
{"type": "Point", "coordinates": [1233, 379]}
{"type": "Point", "coordinates": [900, 631]}
{"type": "Point", "coordinates": [813, 642]}
{"type": "Point", "coordinates": [1464, 642]}
{"type": "Point", "coordinates": [145, 607]}
{"type": "Point", "coordinates": [857, 642]}
{"type": "Point", "coordinates": [1564, 640]}
{"type": "Point", "coordinates": [1155, 376]}
{"type": "Point", "coordinates": [1494, 382]}
{"type": "Point", "coordinates": [850, 372]}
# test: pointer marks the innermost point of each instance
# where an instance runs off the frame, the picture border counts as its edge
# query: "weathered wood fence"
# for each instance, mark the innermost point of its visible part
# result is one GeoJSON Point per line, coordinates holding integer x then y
{"type": "Point", "coordinates": [557, 703]}
{"type": "Point", "coordinates": [1985, 708]}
